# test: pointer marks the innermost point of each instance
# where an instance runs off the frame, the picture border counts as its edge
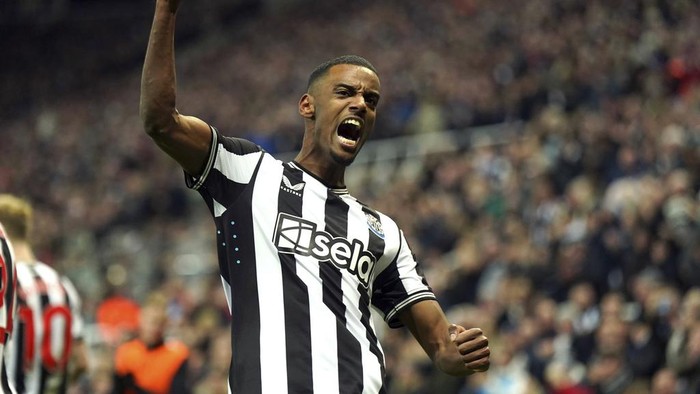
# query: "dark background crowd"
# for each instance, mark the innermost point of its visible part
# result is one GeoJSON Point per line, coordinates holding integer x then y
{"type": "Point", "coordinates": [566, 227]}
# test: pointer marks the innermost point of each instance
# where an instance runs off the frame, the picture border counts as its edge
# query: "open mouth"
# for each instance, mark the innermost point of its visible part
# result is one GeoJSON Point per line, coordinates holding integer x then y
{"type": "Point", "coordinates": [349, 131]}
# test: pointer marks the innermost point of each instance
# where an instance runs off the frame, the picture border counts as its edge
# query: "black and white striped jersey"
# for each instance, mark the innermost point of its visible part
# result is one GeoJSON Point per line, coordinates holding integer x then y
{"type": "Point", "coordinates": [48, 320]}
{"type": "Point", "coordinates": [301, 264]}
{"type": "Point", "coordinates": [8, 297]}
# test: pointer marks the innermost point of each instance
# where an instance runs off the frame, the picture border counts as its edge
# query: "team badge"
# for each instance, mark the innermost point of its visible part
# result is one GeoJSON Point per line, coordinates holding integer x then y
{"type": "Point", "coordinates": [375, 225]}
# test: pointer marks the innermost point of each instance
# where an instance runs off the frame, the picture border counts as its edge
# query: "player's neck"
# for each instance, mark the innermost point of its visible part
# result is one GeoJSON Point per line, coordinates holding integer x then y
{"type": "Point", "coordinates": [332, 176]}
{"type": "Point", "coordinates": [23, 252]}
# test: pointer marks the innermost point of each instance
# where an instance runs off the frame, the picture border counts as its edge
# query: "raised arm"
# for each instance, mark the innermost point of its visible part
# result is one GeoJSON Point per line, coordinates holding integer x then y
{"type": "Point", "coordinates": [453, 349]}
{"type": "Point", "coordinates": [185, 138]}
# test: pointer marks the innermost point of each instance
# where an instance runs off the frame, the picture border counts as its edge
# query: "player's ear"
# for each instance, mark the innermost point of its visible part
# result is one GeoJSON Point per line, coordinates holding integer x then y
{"type": "Point", "coordinates": [306, 106]}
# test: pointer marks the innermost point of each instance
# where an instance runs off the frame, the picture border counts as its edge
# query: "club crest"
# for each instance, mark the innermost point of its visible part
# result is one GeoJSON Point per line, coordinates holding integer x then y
{"type": "Point", "coordinates": [375, 225]}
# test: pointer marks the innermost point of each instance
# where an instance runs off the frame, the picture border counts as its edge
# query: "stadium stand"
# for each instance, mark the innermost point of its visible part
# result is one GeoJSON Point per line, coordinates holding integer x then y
{"type": "Point", "coordinates": [541, 156]}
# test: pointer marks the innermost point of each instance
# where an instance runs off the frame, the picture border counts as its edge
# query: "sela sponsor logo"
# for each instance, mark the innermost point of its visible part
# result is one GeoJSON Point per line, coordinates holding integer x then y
{"type": "Point", "coordinates": [294, 235]}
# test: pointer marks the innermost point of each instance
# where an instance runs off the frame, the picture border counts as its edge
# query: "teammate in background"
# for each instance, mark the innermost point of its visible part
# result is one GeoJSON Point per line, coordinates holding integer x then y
{"type": "Point", "coordinates": [8, 301]}
{"type": "Point", "coordinates": [151, 363]}
{"type": "Point", "coordinates": [301, 260]}
{"type": "Point", "coordinates": [46, 352]}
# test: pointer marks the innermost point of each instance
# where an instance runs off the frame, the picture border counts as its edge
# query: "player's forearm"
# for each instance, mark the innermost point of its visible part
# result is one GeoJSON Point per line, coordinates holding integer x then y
{"type": "Point", "coordinates": [428, 324]}
{"type": "Point", "coordinates": [453, 349]}
{"type": "Point", "coordinates": [158, 82]}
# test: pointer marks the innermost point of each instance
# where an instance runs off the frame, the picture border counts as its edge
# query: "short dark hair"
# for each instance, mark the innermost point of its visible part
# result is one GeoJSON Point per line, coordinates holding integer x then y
{"type": "Point", "coordinates": [323, 68]}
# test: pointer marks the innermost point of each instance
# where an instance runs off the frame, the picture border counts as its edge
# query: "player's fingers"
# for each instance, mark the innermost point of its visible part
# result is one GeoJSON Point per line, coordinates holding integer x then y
{"type": "Point", "coordinates": [474, 344]}
{"type": "Point", "coordinates": [468, 335]}
{"type": "Point", "coordinates": [476, 356]}
{"type": "Point", "coordinates": [479, 365]}
{"type": "Point", "coordinates": [472, 333]}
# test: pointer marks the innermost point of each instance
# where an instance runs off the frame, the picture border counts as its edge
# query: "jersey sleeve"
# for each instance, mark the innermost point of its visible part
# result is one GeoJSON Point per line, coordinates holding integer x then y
{"type": "Point", "coordinates": [229, 169]}
{"type": "Point", "coordinates": [400, 285]}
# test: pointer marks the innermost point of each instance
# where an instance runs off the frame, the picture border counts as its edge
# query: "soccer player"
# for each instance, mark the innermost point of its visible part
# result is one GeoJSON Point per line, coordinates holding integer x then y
{"type": "Point", "coordinates": [301, 260]}
{"type": "Point", "coordinates": [8, 298]}
{"type": "Point", "coordinates": [45, 352]}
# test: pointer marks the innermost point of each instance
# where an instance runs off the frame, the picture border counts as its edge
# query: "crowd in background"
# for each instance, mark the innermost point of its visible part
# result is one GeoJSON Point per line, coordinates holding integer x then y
{"type": "Point", "coordinates": [574, 245]}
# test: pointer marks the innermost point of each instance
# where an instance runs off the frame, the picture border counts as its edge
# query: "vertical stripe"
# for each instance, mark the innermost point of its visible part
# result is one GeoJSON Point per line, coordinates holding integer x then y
{"type": "Point", "coordinates": [5, 379]}
{"type": "Point", "coordinates": [71, 307]}
{"type": "Point", "coordinates": [18, 348]}
{"type": "Point", "coordinates": [272, 339]}
{"type": "Point", "coordinates": [17, 345]}
{"type": "Point", "coordinates": [374, 346]}
{"type": "Point", "coordinates": [8, 307]}
{"type": "Point", "coordinates": [244, 376]}
{"type": "Point", "coordinates": [356, 295]}
{"type": "Point", "coordinates": [376, 247]}
{"type": "Point", "coordinates": [324, 330]}
{"type": "Point", "coordinates": [350, 367]}
{"type": "Point", "coordinates": [40, 375]}
{"type": "Point", "coordinates": [296, 298]}
{"type": "Point", "coordinates": [8, 287]}
{"type": "Point", "coordinates": [236, 248]}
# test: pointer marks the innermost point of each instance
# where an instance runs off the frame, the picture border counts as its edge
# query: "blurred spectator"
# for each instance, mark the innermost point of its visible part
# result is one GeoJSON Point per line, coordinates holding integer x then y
{"type": "Point", "coordinates": [665, 381]}
{"type": "Point", "coordinates": [561, 379]}
{"type": "Point", "coordinates": [683, 349]}
{"type": "Point", "coordinates": [508, 373]}
{"type": "Point", "coordinates": [152, 362]}
{"type": "Point", "coordinates": [609, 371]}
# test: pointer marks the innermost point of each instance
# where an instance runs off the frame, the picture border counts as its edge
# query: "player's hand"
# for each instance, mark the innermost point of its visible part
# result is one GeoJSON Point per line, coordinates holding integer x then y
{"type": "Point", "coordinates": [473, 347]}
